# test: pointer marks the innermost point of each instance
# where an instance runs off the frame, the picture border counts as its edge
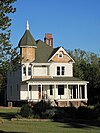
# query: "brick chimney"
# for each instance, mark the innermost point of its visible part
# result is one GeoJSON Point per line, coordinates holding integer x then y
{"type": "Point", "coordinates": [48, 39]}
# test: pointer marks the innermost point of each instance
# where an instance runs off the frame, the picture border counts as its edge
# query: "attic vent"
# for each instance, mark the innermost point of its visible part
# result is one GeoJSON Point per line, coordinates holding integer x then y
{"type": "Point", "coordinates": [60, 55]}
{"type": "Point", "coordinates": [48, 39]}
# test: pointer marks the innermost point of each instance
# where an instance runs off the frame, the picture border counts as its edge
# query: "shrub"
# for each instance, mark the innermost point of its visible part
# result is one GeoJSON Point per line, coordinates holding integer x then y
{"type": "Point", "coordinates": [49, 113]}
{"type": "Point", "coordinates": [85, 113]}
{"type": "Point", "coordinates": [70, 112]}
{"type": "Point", "coordinates": [41, 106]}
{"type": "Point", "coordinates": [97, 111]}
{"type": "Point", "coordinates": [59, 114]}
{"type": "Point", "coordinates": [26, 111]}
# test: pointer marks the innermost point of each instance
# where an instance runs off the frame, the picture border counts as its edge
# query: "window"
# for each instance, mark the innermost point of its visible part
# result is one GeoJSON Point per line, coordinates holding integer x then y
{"type": "Point", "coordinates": [29, 71]}
{"type": "Point", "coordinates": [30, 88]}
{"type": "Point", "coordinates": [58, 70]}
{"type": "Point", "coordinates": [60, 89]}
{"type": "Point", "coordinates": [60, 55]}
{"type": "Point", "coordinates": [24, 70]}
{"type": "Point", "coordinates": [51, 90]}
{"type": "Point", "coordinates": [62, 70]}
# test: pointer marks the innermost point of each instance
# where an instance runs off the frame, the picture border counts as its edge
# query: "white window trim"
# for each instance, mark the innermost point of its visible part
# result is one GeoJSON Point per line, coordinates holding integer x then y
{"type": "Point", "coordinates": [60, 53]}
{"type": "Point", "coordinates": [60, 70]}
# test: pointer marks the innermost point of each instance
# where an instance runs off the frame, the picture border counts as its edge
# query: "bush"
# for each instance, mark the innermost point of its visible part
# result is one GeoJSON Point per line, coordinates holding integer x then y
{"type": "Point", "coordinates": [49, 114]}
{"type": "Point", "coordinates": [85, 113]}
{"type": "Point", "coordinates": [40, 107]}
{"type": "Point", "coordinates": [26, 111]}
{"type": "Point", "coordinates": [70, 112]}
{"type": "Point", "coordinates": [97, 111]}
{"type": "Point", "coordinates": [59, 113]}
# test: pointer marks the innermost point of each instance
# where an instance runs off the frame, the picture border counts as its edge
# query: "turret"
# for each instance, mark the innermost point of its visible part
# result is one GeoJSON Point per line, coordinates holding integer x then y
{"type": "Point", "coordinates": [27, 46]}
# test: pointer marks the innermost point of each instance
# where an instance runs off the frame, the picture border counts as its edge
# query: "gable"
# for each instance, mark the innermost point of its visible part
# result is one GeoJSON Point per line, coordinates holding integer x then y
{"type": "Point", "coordinates": [61, 56]}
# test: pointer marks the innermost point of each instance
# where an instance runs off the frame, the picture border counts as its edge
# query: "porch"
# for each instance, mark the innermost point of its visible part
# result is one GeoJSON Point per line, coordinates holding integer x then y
{"type": "Point", "coordinates": [59, 93]}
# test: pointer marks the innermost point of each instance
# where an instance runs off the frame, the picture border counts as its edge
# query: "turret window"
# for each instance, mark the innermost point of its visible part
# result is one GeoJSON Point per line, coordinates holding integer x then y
{"type": "Point", "coordinates": [24, 70]}
{"type": "Point", "coordinates": [29, 71]}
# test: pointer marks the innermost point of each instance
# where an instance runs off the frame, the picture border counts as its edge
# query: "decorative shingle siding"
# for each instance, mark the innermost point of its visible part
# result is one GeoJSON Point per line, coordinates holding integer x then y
{"type": "Point", "coordinates": [28, 54]}
{"type": "Point", "coordinates": [65, 59]}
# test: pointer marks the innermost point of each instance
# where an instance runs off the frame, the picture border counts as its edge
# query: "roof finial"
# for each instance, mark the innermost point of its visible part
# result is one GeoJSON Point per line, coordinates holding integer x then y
{"type": "Point", "coordinates": [27, 25]}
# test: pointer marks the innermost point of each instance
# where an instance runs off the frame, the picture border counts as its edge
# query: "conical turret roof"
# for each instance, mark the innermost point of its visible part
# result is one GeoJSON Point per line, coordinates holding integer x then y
{"type": "Point", "coordinates": [27, 39]}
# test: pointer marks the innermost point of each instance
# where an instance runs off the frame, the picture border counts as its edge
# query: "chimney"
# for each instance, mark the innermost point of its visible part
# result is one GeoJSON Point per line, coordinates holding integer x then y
{"type": "Point", "coordinates": [48, 39]}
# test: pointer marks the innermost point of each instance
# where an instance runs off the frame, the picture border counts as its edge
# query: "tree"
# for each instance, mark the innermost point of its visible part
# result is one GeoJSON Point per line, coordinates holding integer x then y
{"type": "Point", "coordinates": [87, 67]}
{"type": "Point", "coordinates": [7, 53]}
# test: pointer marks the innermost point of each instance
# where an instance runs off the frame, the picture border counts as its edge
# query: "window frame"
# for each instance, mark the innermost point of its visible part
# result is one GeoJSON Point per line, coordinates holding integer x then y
{"type": "Point", "coordinates": [29, 71]}
{"type": "Point", "coordinates": [24, 70]}
{"type": "Point", "coordinates": [60, 71]}
{"type": "Point", "coordinates": [51, 89]}
{"type": "Point", "coordinates": [60, 90]}
{"type": "Point", "coordinates": [60, 55]}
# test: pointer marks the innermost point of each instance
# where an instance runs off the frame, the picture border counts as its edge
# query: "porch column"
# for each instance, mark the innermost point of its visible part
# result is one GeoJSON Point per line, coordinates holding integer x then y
{"type": "Point", "coordinates": [78, 92]}
{"type": "Point", "coordinates": [41, 91]}
{"type": "Point", "coordinates": [67, 95]}
{"type": "Point", "coordinates": [85, 91]}
{"type": "Point", "coordinates": [81, 92]}
{"type": "Point", "coordinates": [72, 93]}
{"type": "Point", "coordinates": [54, 91]}
{"type": "Point", "coordinates": [28, 93]}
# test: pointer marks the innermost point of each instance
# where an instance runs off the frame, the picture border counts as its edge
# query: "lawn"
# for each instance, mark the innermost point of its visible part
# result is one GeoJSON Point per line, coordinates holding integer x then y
{"type": "Point", "coordinates": [9, 126]}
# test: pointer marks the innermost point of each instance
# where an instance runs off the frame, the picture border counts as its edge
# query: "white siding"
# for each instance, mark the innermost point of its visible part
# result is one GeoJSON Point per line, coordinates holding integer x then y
{"type": "Point", "coordinates": [68, 69]}
{"type": "Point", "coordinates": [40, 71]}
{"type": "Point", "coordinates": [23, 95]}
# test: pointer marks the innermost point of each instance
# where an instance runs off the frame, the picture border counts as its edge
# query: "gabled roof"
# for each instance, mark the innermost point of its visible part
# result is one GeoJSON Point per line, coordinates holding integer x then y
{"type": "Point", "coordinates": [53, 52]}
{"type": "Point", "coordinates": [27, 40]}
{"type": "Point", "coordinates": [56, 51]}
{"type": "Point", "coordinates": [43, 52]}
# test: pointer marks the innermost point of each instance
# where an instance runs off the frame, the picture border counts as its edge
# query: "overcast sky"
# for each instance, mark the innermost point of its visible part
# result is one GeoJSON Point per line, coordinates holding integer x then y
{"type": "Point", "coordinates": [73, 23]}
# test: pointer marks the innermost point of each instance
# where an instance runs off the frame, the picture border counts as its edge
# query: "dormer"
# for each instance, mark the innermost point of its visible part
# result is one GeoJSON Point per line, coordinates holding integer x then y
{"type": "Point", "coordinates": [27, 46]}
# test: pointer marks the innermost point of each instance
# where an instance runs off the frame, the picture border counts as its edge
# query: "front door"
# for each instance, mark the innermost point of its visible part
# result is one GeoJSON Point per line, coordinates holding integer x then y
{"type": "Point", "coordinates": [40, 92]}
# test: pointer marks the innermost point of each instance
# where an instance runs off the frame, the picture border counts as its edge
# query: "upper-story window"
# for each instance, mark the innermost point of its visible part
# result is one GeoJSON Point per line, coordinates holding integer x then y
{"type": "Point", "coordinates": [29, 71]}
{"type": "Point", "coordinates": [60, 70]}
{"type": "Point", "coordinates": [24, 70]}
{"type": "Point", "coordinates": [60, 55]}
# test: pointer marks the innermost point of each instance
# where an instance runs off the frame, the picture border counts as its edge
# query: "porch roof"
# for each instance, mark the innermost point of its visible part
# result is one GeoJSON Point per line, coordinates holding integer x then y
{"type": "Point", "coordinates": [56, 79]}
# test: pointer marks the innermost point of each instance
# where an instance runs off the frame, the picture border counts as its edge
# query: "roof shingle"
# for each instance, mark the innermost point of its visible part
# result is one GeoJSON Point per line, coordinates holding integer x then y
{"type": "Point", "coordinates": [27, 40]}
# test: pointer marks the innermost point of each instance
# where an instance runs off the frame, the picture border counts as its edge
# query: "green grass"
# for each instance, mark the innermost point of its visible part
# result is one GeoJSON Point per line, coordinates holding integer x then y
{"type": "Point", "coordinates": [43, 127]}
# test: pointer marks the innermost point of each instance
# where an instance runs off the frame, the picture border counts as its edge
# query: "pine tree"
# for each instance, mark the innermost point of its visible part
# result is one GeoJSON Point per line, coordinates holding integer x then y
{"type": "Point", "coordinates": [7, 53]}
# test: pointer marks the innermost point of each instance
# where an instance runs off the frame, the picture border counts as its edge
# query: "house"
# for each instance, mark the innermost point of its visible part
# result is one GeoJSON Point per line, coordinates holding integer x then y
{"type": "Point", "coordinates": [45, 73]}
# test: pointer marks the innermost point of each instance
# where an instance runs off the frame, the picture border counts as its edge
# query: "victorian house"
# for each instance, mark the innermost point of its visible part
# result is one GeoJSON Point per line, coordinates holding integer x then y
{"type": "Point", "coordinates": [45, 73]}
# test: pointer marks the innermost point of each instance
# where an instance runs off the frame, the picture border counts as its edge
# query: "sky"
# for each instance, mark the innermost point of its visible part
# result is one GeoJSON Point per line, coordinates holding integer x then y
{"type": "Point", "coordinates": [73, 23]}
